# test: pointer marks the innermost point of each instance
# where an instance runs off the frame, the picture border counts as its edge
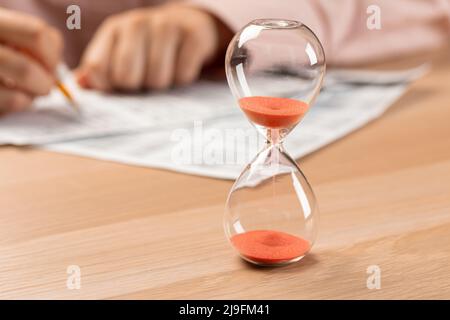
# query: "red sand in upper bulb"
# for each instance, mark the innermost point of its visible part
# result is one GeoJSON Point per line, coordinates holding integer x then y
{"type": "Point", "coordinates": [269, 247]}
{"type": "Point", "coordinates": [273, 112]}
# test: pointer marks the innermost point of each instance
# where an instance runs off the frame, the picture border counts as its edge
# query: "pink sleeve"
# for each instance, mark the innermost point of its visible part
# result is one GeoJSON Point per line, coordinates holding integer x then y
{"type": "Point", "coordinates": [406, 26]}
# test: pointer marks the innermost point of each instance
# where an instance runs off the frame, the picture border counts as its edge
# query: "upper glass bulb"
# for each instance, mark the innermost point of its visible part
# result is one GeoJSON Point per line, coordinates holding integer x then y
{"type": "Point", "coordinates": [275, 69]}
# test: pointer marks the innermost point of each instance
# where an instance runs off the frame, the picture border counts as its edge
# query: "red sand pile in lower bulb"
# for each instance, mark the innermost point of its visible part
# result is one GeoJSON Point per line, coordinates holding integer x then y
{"type": "Point", "coordinates": [273, 112]}
{"type": "Point", "coordinates": [270, 247]}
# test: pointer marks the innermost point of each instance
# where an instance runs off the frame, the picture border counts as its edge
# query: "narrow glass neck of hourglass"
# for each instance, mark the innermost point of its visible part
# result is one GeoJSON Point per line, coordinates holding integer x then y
{"type": "Point", "coordinates": [274, 143]}
{"type": "Point", "coordinates": [275, 137]}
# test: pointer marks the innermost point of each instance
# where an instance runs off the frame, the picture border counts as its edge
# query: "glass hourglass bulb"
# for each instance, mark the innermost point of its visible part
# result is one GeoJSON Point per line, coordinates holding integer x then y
{"type": "Point", "coordinates": [275, 70]}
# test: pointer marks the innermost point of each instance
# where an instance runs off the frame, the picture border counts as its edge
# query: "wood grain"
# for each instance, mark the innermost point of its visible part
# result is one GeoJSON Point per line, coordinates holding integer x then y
{"type": "Point", "coordinates": [384, 194]}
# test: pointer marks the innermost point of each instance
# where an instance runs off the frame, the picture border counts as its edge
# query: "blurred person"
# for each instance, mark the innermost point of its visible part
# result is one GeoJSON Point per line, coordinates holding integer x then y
{"type": "Point", "coordinates": [131, 45]}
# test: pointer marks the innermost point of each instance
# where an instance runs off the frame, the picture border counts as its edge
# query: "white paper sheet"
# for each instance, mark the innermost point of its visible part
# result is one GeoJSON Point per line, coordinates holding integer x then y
{"type": "Point", "coordinates": [193, 130]}
{"type": "Point", "coordinates": [339, 110]}
{"type": "Point", "coordinates": [51, 119]}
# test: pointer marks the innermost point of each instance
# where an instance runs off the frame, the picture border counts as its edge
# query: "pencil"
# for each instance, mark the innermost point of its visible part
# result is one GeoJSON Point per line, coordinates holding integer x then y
{"type": "Point", "coordinates": [68, 95]}
{"type": "Point", "coordinates": [59, 83]}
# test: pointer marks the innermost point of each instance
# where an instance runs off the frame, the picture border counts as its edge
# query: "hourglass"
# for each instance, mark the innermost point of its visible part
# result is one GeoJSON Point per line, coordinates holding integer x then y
{"type": "Point", "coordinates": [275, 70]}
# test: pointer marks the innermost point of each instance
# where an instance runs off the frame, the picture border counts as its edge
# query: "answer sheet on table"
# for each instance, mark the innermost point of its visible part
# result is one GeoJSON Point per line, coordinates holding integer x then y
{"type": "Point", "coordinates": [221, 146]}
{"type": "Point", "coordinates": [193, 129]}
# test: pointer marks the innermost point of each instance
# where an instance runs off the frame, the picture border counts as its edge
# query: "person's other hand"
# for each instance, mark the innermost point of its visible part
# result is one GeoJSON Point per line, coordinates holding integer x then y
{"type": "Point", "coordinates": [29, 52]}
{"type": "Point", "coordinates": [149, 48]}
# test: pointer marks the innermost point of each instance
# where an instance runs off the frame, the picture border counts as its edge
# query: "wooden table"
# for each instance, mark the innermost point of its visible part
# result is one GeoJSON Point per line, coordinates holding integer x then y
{"type": "Point", "coordinates": [384, 194]}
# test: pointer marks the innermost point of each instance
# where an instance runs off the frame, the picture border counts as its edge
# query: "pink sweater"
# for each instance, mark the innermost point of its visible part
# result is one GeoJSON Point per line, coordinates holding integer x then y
{"type": "Point", "coordinates": [407, 26]}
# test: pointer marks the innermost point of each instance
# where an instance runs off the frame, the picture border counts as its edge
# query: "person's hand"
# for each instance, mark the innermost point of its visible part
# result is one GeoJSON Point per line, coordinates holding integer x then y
{"type": "Point", "coordinates": [149, 48]}
{"type": "Point", "coordinates": [29, 52]}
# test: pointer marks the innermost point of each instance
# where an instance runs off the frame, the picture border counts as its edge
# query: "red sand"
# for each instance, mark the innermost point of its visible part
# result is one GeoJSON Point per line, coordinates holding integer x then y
{"type": "Point", "coordinates": [272, 112]}
{"type": "Point", "coordinates": [267, 246]}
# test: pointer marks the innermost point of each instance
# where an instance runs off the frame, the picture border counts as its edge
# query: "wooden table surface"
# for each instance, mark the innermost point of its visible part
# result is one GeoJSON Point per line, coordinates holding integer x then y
{"type": "Point", "coordinates": [383, 191]}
